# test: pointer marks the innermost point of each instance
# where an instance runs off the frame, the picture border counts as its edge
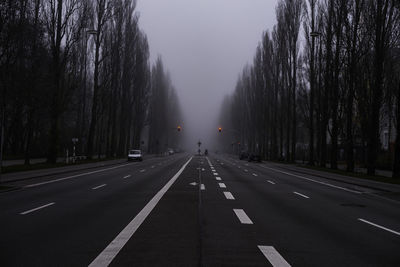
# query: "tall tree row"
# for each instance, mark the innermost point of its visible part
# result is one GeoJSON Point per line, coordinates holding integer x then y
{"type": "Point", "coordinates": [73, 69]}
{"type": "Point", "coordinates": [327, 92]}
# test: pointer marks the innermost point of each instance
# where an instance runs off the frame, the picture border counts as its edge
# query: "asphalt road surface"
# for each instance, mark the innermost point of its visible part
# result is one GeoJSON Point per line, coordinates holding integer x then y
{"type": "Point", "coordinates": [186, 210]}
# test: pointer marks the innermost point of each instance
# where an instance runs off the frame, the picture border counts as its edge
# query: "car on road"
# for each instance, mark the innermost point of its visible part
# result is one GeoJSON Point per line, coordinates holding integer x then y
{"type": "Point", "coordinates": [254, 157]}
{"type": "Point", "coordinates": [243, 155]}
{"type": "Point", "coordinates": [135, 154]}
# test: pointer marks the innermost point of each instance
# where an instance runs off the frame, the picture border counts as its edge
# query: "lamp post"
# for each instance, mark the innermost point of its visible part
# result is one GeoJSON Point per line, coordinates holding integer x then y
{"type": "Point", "coordinates": [313, 35]}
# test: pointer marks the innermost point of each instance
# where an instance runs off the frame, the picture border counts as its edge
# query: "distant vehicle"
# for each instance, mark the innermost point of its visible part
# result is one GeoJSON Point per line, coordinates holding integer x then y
{"type": "Point", "coordinates": [135, 155]}
{"type": "Point", "coordinates": [243, 155]}
{"type": "Point", "coordinates": [254, 157]}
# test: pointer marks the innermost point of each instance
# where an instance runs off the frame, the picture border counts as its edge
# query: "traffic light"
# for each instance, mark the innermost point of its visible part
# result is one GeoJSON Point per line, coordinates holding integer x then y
{"type": "Point", "coordinates": [220, 129]}
{"type": "Point", "coordinates": [179, 128]}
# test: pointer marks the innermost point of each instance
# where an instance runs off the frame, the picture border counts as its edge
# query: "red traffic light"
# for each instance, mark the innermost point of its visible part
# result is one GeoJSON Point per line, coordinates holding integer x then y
{"type": "Point", "coordinates": [179, 128]}
{"type": "Point", "coordinates": [219, 129]}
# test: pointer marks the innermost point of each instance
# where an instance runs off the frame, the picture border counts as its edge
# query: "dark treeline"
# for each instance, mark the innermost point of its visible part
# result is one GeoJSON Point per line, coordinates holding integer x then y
{"type": "Point", "coordinates": [78, 69]}
{"type": "Point", "coordinates": [324, 86]}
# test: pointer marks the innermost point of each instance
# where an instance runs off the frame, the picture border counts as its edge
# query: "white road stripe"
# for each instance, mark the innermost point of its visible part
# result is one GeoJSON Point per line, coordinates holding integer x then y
{"type": "Point", "coordinates": [100, 186]}
{"type": "Point", "coordinates": [271, 182]}
{"type": "Point", "coordinates": [222, 185]}
{"type": "Point", "coordinates": [202, 187]}
{"type": "Point", "coordinates": [315, 181]}
{"type": "Point", "coordinates": [380, 226]}
{"type": "Point", "coordinates": [297, 193]}
{"type": "Point", "coordinates": [218, 178]}
{"type": "Point", "coordinates": [38, 208]}
{"type": "Point", "coordinates": [242, 216]}
{"type": "Point", "coordinates": [246, 170]}
{"type": "Point", "coordinates": [109, 253]}
{"type": "Point", "coordinates": [152, 167]}
{"type": "Point", "coordinates": [255, 174]}
{"type": "Point", "coordinates": [273, 256]}
{"type": "Point", "coordinates": [229, 195]}
{"type": "Point", "coordinates": [74, 176]}
{"type": "Point", "coordinates": [126, 176]}
{"type": "Point", "coordinates": [142, 170]}
{"type": "Point", "coordinates": [215, 173]}
{"type": "Point", "coordinates": [213, 170]}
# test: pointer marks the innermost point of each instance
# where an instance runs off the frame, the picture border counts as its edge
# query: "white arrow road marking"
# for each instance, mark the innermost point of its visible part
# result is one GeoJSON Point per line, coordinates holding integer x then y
{"type": "Point", "coordinates": [379, 226]}
{"type": "Point", "coordinates": [273, 256]}
{"type": "Point", "coordinates": [242, 216]}
{"type": "Point", "coordinates": [111, 251]}
{"type": "Point", "coordinates": [38, 208]}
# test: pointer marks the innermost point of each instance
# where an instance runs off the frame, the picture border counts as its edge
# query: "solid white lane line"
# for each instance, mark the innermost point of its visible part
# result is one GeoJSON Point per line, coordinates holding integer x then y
{"type": "Point", "coordinates": [218, 178]}
{"type": "Point", "coordinates": [142, 170]}
{"type": "Point", "coordinates": [228, 195]}
{"type": "Point", "coordinates": [222, 185]}
{"type": "Point", "coordinates": [100, 186]}
{"type": "Point", "coordinates": [297, 193]}
{"type": "Point", "coordinates": [215, 173]}
{"type": "Point", "coordinates": [74, 176]}
{"type": "Point", "coordinates": [315, 181]}
{"type": "Point", "coordinates": [255, 174]}
{"type": "Point", "coordinates": [111, 251]}
{"type": "Point", "coordinates": [202, 187]}
{"type": "Point", "coordinates": [242, 216]}
{"type": "Point", "coordinates": [38, 208]}
{"type": "Point", "coordinates": [271, 182]}
{"type": "Point", "coordinates": [273, 256]}
{"type": "Point", "coordinates": [380, 226]}
{"type": "Point", "coordinates": [127, 176]}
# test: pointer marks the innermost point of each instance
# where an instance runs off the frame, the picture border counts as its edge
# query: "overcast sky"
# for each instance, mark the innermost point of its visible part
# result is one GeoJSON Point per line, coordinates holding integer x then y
{"type": "Point", "coordinates": [204, 44]}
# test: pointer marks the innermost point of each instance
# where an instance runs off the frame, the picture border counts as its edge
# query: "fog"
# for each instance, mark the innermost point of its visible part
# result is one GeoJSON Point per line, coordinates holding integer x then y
{"type": "Point", "coordinates": [204, 45]}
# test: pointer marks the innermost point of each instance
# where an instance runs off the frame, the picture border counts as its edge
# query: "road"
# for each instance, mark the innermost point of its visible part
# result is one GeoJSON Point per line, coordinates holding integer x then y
{"type": "Point", "coordinates": [186, 210]}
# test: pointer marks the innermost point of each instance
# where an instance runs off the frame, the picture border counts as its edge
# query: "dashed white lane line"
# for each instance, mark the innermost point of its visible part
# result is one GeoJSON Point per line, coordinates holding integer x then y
{"type": "Point", "coordinates": [379, 226]}
{"type": "Point", "coordinates": [273, 256]}
{"type": "Point", "coordinates": [152, 167]}
{"type": "Point", "coordinates": [142, 170]}
{"type": "Point", "coordinates": [222, 185]}
{"type": "Point", "coordinates": [111, 251]}
{"type": "Point", "coordinates": [215, 173]}
{"type": "Point", "coordinates": [246, 170]}
{"type": "Point", "coordinates": [271, 182]}
{"type": "Point", "coordinates": [228, 195]}
{"type": "Point", "coordinates": [38, 208]}
{"type": "Point", "coordinates": [100, 186]}
{"type": "Point", "coordinates": [218, 178]}
{"type": "Point", "coordinates": [74, 176]}
{"type": "Point", "coordinates": [202, 187]}
{"type": "Point", "coordinates": [242, 216]}
{"type": "Point", "coordinates": [126, 176]}
{"type": "Point", "coordinates": [299, 194]}
{"type": "Point", "coordinates": [312, 180]}
{"type": "Point", "coordinates": [255, 174]}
